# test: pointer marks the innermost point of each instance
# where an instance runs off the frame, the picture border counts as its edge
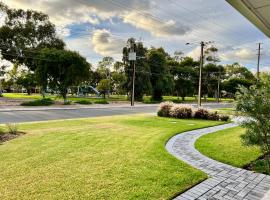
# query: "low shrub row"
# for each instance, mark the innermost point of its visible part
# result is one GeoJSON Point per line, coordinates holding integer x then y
{"type": "Point", "coordinates": [39, 102]}
{"type": "Point", "coordinates": [169, 109]}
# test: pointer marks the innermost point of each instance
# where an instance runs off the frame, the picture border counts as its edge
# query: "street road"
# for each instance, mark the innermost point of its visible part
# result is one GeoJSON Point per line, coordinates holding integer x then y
{"type": "Point", "coordinates": [17, 116]}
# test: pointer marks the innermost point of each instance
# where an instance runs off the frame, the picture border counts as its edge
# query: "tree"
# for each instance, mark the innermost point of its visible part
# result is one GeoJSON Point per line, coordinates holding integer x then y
{"type": "Point", "coordinates": [255, 104]}
{"type": "Point", "coordinates": [28, 81]}
{"type": "Point", "coordinates": [142, 78]}
{"type": "Point", "coordinates": [184, 76]}
{"type": "Point", "coordinates": [24, 33]}
{"type": "Point", "coordinates": [161, 79]}
{"type": "Point", "coordinates": [60, 69]}
{"type": "Point", "coordinates": [231, 85]}
{"type": "Point", "coordinates": [236, 75]}
{"type": "Point", "coordinates": [104, 69]}
{"type": "Point", "coordinates": [104, 87]}
{"type": "Point", "coordinates": [238, 71]}
{"type": "Point", "coordinates": [212, 74]}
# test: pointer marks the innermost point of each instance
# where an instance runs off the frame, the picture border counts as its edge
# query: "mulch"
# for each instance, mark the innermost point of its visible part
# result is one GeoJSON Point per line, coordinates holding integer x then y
{"type": "Point", "coordinates": [7, 136]}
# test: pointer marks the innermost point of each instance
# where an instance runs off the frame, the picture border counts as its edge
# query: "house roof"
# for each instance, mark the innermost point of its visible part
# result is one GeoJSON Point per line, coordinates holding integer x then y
{"type": "Point", "coordinates": [256, 11]}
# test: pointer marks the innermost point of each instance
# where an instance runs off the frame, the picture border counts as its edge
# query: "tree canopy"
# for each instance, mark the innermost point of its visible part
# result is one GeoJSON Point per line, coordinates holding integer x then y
{"type": "Point", "coordinates": [60, 69]}
{"type": "Point", "coordinates": [24, 33]}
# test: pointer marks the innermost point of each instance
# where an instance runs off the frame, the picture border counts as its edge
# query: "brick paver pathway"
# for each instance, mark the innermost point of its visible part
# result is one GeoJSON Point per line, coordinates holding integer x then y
{"type": "Point", "coordinates": [225, 182]}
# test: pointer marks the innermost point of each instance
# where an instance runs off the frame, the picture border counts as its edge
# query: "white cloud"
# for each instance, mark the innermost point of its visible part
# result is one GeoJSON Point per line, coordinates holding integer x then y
{"type": "Point", "coordinates": [239, 54]}
{"type": "Point", "coordinates": [105, 44]}
{"type": "Point", "coordinates": [155, 26]}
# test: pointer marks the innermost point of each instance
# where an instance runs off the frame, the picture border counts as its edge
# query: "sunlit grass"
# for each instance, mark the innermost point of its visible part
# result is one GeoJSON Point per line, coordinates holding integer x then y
{"type": "Point", "coordinates": [121, 157]}
{"type": "Point", "coordinates": [226, 146]}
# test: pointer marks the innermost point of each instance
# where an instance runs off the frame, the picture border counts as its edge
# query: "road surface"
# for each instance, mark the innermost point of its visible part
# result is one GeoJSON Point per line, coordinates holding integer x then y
{"type": "Point", "coordinates": [17, 116]}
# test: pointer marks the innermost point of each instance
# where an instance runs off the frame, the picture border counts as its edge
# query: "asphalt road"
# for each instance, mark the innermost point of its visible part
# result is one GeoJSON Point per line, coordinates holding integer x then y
{"type": "Point", "coordinates": [44, 115]}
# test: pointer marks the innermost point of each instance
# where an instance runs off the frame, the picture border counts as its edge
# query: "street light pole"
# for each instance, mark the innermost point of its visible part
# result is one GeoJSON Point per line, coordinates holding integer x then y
{"type": "Point", "coordinates": [200, 76]}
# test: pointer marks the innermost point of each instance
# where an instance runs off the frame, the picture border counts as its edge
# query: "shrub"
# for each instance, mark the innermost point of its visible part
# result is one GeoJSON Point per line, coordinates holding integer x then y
{"type": "Point", "coordinates": [39, 102]}
{"type": "Point", "coordinates": [67, 103]}
{"type": "Point", "coordinates": [224, 118]}
{"type": "Point", "coordinates": [84, 102]}
{"type": "Point", "coordinates": [181, 111]}
{"type": "Point", "coordinates": [12, 128]}
{"type": "Point", "coordinates": [201, 114]}
{"type": "Point", "coordinates": [164, 109]}
{"type": "Point", "coordinates": [1, 131]}
{"type": "Point", "coordinates": [101, 101]}
{"type": "Point", "coordinates": [213, 116]}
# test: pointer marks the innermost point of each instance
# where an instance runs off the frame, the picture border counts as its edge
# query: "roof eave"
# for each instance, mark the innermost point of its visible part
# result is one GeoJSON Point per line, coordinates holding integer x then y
{"type": "Point", "coordinates": [250, 14]}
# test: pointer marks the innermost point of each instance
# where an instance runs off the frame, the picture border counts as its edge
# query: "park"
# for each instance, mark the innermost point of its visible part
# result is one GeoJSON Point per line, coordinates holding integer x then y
{"type": "Point", "coordinates": [135, 118]}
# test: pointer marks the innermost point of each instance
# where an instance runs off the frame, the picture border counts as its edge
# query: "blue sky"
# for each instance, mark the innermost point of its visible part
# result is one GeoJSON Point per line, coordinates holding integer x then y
{"type": "Point", "coordinates": [98, 28]}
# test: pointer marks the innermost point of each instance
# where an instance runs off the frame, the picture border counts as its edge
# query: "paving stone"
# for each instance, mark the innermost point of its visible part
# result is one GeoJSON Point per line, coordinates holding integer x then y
{"type": "Point", "coordinates": [225, 181]}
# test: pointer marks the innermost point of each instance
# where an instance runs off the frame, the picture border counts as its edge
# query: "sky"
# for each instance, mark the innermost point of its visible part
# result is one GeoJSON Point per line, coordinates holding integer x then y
{"type": "Point", "coordinates": [98, 28]}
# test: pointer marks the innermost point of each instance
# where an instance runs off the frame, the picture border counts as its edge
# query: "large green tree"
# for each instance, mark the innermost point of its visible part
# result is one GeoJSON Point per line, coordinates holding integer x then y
{"type": "Point", "coordinates": [161, 79]}
{"type": "Point", "coordinates": [142, 78]}
{"type": "Point", "coordinates": [24, 33]}
{"type": "Point", "coordinates": [184, 73]}
{"type": "Point", "coordinates": [28, 81]}
{"type": "Point", "coordinates": [60, 69]}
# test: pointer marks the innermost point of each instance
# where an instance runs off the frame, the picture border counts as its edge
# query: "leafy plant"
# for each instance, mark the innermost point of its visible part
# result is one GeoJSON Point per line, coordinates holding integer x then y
{"type": "Point", "coordinates": [12, 128]}
{"type": "Point", "coordinates": [201, 114]}
{"type": "Point", "coordinates": [1, 131]}
{"type": "Point", "coordinates": [84, 102]}
{"type": "Point", "coordinates": [213, 116]}
{"type": "Point", "coordinates": [181, 111]}
{"type": "Point", "coordinates": [254, 103]}
{"type": "Point", "coordinates": [164, 109]}
{"type": "Point", "coordinates": [224, 118]}
{"type": "Point", "coordinates": [101, 101]}
{"type": "Point", "coordinates": [39, 102]}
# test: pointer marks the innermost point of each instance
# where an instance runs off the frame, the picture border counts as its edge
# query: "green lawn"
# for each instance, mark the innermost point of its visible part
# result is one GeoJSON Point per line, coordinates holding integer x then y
{"type": "Point", "coordinates": [226, 146]}
{"type": "Point", "coordinates": [227, 111]}
{"type": "Point", "coordinates": [70, 98]}
{"type": "Point", "coordinates": [121, 157]}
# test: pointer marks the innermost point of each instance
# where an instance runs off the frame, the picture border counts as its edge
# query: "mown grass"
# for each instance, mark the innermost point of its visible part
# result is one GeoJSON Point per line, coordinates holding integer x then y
{"type": "Point", "coordinates": [121, 157]}
{"type": "Point", "coordinates": [226, 146]}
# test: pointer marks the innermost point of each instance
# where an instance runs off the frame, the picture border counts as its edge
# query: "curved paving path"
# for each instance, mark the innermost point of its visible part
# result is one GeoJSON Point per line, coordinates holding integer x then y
{"type": "Point", "coordinates": [225, 182]}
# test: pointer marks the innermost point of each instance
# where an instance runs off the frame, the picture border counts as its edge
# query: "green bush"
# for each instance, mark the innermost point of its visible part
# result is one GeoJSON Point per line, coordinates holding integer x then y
{"type": "Point", "coordinates": [201, 114]}
{"type": "Point", "coordinates": [2, 131]}
{"type": "Point", "coordinates": [165, 109]}
{"type": "Point", "coordinates": [181, 111]}
{"type": "Point", "coordinates": [101, 101]}
{"type": "Point", "coordinates": [67, 103]}
{"type": "Point", "coordinates": [224, 118]}
{"type": "Point", "coordinates": [39, 102]}
{"type": "Point", "coordinates": [213, 116]}
{"type": "Point", "coordinates": [84, 102]}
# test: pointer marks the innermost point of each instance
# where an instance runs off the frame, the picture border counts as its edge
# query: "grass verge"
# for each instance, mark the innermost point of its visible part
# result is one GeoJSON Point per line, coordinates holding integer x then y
{"type": "Point", "coordinates": [120, 157]}
{"type": "Point", "coordinates": [226, 146]}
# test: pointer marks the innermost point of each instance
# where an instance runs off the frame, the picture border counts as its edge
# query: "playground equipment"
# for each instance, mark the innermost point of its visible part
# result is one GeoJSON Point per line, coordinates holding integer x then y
{"type": "Point", "coordinates": [86, 89]}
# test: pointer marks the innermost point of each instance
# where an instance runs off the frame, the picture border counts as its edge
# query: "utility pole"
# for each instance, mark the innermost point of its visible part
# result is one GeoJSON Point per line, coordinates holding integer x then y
{"type": "Point", "coordinates": [259, 60]}
{"type": "Point", "coordinates": [218, 88]}
{"type": "Point", "coordinates": [132, 58]}
{"type": "Point", "coordinates": [200, 76]}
